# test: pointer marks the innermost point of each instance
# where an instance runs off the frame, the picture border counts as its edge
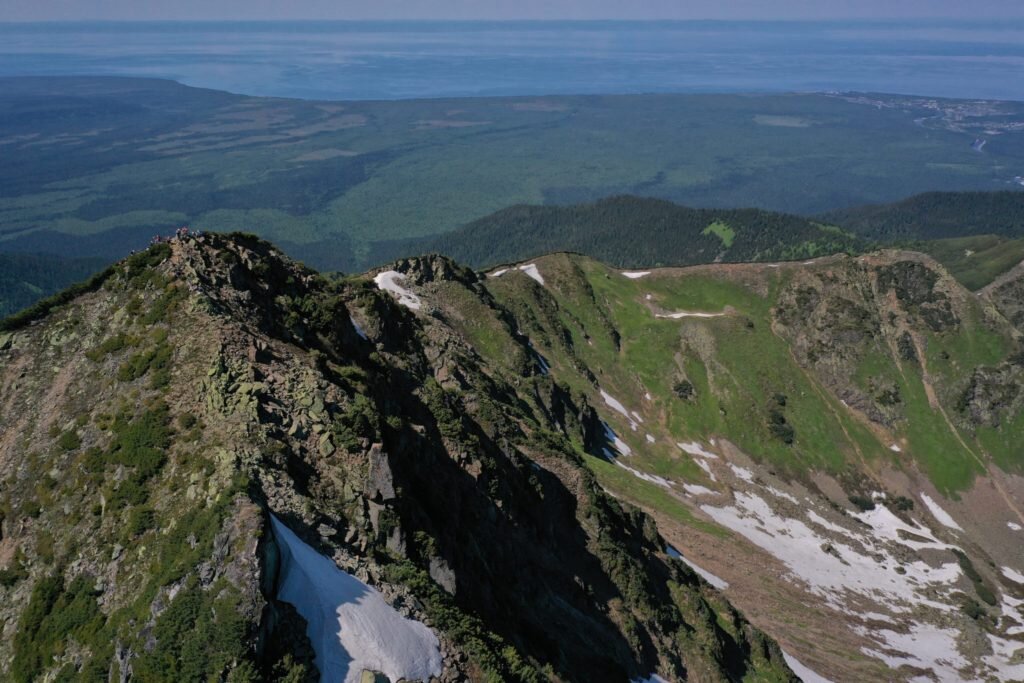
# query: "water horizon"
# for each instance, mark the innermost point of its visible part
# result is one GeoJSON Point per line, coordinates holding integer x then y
{"type": "Point", "coordinates": [388, 60]}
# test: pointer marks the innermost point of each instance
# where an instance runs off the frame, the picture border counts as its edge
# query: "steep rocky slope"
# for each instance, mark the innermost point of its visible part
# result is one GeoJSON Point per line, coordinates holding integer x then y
{"type": "Point", "coordinates": [218, 465]}
{"type": "Point", "coordinates": [835, 443]}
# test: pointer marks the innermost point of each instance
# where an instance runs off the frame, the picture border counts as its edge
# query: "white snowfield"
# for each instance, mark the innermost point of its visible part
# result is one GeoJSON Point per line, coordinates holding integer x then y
{"type": "Point", "coordinates": [719, 583]}
{"type": "Point", "coordinates": [652, 478]}
{"type": "Point", "coordinates": [614, 404]}
{"type": "Point", "coordinates": [350, 625]}
{"type": "Point", "coordinates": [635, 274]}
{"type": "Point", "coordinates": [694, 448]}
{"type": "Point", "coordinates": [698, 490]}
{"type": "Point", "coordinates": [389, 282]}
{"type": "Point", "coordinates": [688, 314]}
{"type": "Point", "coordinates": [846, 568]}
{"type": "Point", "coordinates": [620, 445]}
{"type": "Point", "coordinates": [805, 674]}
{"type": "Point", "coordinates": [653, 678]}
{"type": "Point", "coordinates": [1013, 574]}
{"type": "Point", "coordinates": [880, 559]}
{"type": "Point", "coordinates": [941, 515]}
{"type": "Point", "coordinates": [531, 270]}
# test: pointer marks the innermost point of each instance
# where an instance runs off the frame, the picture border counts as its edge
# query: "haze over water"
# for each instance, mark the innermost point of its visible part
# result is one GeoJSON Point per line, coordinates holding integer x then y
{"type": "Point", "coordinates": [392, 60]}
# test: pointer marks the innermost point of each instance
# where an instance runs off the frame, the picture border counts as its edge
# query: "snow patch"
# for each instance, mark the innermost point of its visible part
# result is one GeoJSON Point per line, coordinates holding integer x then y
{"type": "Point", "coordinates": [698, 490]}
{"type": "Point", "coordinates": [498, 273]}
{"type": "Point", "coordinates": [703, 464]}
{"type": "Point", "coordinates": [531, 270]}
{"type": "Point", "coordinates": [927, 647]}
{"type": "Point", "coordinates": [1013, 574]}
{"type": "Point", "coordinates": [1014, 526]}
{"type": "Point", "coordinates": [358, 329]}
{"type": "Point", "coordinates": [742, 473]}
{"type": "Point", "coordinates": [614, 404]}
{"type": "Point", "coordinates": [694, 448]}
{"type": "Point", "coordinates": [620, 445]}
{"type": "Point", "coordinates": [719, 583]}
{"type": "Point", "coordinates": [635, 274]}
{"type": "Point", "coordinates": [350, 625]}
{"type": "Point", "coordinates": [782, 494]}
{"type": "Point", "coordinates": [650, 438]}
{"type": "Point", "coordinates": [653, 678]}
{"type": "Point", "coordinates": [832, 567]}
{"type": "Point", "coordinates": [636, 416]}
{"type": "Point", "coordinates": [895, 448]}
{"type": "Point", "coordinates": [652, 478]}
{"type": "Point", "coordinates": [941, 515]}
{"type": "Point", "coordinates": [687, 314]}
{"type": "Point", "coordinates": [805, 674]}
{"type": "Point", "coordinates": [389, 282]}
{"type": "Point", "coordinates": [545, 369]}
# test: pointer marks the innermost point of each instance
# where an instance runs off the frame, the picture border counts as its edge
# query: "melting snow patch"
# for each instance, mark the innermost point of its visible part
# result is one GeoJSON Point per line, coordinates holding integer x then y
{"type": "Point", "coordinates": [614, 404]}
{"type": "Point", "coordinates": [498, 273]}
{"type": "Point", "coordinates": [653, 678]}
{"type": "Point", "coordinates": [1006, 659]}
{"type": "Point", "coordinates": [635, 274]}
{"type": "Point", "coordinates": [895, 448]}
{"type": "Point", "coordinates": [350, 625]}
{"type": "Point", "coordinates": [715, 581]}
{"type": "Point", "coordinates": [927, 647]}
{"type": "Point", "coordinates": [1013, 574]}
{"type": "Point", "coordinates": [544, 367]}
{"type": "Point", "coordinates": [688, 314]}
{"type": "Point", "coordinates": [782, 494]}
{"type": "Point", "coordinates": [703, 464]}
{"type": "Point", "coordinates": [636, 416]}
{"type": "Point", "coordinates": [1014, 526]}
{"type": "Point", "coordinates": [620, 445]}
{"type": "Point", "coordinates": [742, 473]}
{"type": "Point", "coordinates": [694, 448]}
{"type": "Point", "coordinates": [698, 490]}
{"type": "Point", "coordinates": [388, 281]}
{"type": "Point", "coordinates": [652, 478]}
{"type": "Point", "coordinates": [648, 396]}
{"type": "Point", "coordinates": [357, 328]}
{"type": "Point", "coordinates": [830, 567]}
{"type": "Point", "coordinates": [650, 438]}
{"type": "Point", "coordinates": [531, 270]}
{"type": "Point", "coordinates": [941, 515]}
{"type": "Point", "coordinates": [805, 674]}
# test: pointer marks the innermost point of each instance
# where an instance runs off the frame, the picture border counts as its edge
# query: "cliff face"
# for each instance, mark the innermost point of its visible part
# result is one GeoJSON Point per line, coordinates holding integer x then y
{"type": "Point", "coordinates": [151, 426]}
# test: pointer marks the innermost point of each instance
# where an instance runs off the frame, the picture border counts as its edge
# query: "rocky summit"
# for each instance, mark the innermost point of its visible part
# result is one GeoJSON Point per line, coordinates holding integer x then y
{"type": "Point", "coordinates": [217, 464]}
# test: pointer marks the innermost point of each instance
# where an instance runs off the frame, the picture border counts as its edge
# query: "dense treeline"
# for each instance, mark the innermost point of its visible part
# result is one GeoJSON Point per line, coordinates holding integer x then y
{"type": "Point", "coordinates": [937, 215]}
{"type": "Point", "coordinates": [27, 278]}
{"type": "Point", "coordinates": [633, 232]}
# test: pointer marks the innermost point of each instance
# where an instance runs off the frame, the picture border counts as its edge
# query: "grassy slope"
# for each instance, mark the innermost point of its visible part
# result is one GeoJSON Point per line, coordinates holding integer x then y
{"type": "Point", "coordinates": [737, 364]}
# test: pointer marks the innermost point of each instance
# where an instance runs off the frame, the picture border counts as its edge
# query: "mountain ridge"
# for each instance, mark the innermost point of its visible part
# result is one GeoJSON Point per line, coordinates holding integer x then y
{"type": "Point", "coordinates": [208, 380]}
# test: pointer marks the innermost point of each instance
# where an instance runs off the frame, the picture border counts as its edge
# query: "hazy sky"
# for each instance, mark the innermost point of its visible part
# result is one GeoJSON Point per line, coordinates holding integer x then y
{"type": "Point", "coordinates": [45, 10]}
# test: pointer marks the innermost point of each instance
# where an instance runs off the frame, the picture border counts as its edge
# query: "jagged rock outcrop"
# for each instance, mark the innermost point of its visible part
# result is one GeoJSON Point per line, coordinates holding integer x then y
{"type": "Point", "coordinates": [149, 427]}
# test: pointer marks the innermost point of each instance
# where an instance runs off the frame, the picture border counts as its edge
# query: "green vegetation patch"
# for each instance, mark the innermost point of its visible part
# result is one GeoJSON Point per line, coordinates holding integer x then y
{"type": "Point", "coordinates": [722, 231]}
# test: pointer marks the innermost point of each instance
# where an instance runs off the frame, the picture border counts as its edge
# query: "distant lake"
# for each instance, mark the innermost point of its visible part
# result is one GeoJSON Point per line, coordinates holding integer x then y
{"type": "Point", "coordinates": [393, 60]}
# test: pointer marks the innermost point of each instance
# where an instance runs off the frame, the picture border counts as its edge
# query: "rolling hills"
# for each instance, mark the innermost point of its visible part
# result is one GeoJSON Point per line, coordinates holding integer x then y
{"type": "Point", "coordinates": [96, 166]}
{"type": "Point", "coordinates": [634, 232]}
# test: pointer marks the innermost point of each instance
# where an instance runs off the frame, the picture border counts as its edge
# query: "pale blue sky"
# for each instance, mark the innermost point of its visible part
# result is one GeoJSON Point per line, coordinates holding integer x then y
{"type": "Point", "coordinates": [46, 10]}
